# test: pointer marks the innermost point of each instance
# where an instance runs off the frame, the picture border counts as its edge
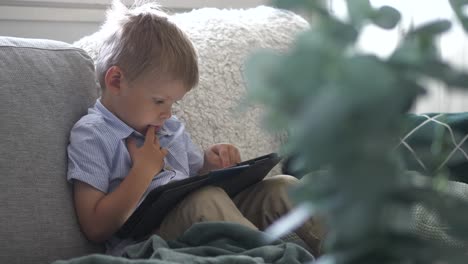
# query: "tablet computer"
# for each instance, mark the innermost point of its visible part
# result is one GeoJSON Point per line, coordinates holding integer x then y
{"type": "Point", "coordinates": [149, 215]}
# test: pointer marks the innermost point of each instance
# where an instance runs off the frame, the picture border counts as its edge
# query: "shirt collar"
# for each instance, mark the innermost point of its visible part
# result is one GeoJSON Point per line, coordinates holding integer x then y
{"type": "Point", "coordinates": [164, 131]}
{"type": "Point", "coordinates": [119, 127]}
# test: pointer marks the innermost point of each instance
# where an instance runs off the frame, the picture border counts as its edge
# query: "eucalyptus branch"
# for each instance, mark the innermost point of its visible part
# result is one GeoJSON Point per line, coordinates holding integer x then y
{"type": "Point", "coordinates": [344, 112]}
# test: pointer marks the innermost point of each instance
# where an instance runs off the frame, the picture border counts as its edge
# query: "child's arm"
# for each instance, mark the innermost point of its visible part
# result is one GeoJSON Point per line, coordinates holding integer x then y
{"type": "Point", "coordinates": [220, 156]}
{"type": "Point", "coordinates": [100, 215]}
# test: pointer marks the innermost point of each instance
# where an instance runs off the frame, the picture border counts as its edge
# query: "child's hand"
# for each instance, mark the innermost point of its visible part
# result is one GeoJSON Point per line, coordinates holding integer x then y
{"type": "Point", "coordinates": [220, 156]}
{"type": "Point", "coordinates": [148, 158]}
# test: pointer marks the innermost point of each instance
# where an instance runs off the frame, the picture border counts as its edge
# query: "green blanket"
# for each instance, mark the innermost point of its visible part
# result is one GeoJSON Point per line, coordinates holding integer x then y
{"type": "Point", "coordinates": [208, 242]}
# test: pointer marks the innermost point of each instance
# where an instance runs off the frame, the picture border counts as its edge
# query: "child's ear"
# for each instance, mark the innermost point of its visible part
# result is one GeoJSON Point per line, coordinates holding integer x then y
{"type": "Point", "coordinates": [114, 80]}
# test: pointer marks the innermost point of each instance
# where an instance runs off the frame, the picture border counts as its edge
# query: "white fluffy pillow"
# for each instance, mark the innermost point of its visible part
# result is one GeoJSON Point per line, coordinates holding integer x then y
{"type": "Point", "coordinates": [224, 39]}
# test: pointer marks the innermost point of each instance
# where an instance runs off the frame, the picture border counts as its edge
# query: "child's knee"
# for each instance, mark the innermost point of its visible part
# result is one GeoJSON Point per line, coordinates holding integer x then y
{"type": "Point", "coordinates": [207, 193]}
{"type": "Point", "coordinates": [279, 182]}
{"type": "Point", "coordinates": [211, 203]}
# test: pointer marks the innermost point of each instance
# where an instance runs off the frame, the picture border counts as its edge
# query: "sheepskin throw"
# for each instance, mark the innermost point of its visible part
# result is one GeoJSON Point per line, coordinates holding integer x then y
{"type": "Point", "coordinates": [223, 40]}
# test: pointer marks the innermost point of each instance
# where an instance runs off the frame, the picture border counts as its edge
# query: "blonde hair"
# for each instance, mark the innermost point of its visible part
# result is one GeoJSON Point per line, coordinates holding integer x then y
{"type": "Point", "coordinates": [143, 40]}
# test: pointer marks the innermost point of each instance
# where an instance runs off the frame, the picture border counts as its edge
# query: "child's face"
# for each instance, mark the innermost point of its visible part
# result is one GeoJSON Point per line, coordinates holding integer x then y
{"type": "Point", "coordinates": [148, 102]}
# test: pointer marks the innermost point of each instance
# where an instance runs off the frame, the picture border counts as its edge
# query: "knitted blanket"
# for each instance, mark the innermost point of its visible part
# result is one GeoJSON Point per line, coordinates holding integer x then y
{"type": "Point", "coordinates": [207, 243]}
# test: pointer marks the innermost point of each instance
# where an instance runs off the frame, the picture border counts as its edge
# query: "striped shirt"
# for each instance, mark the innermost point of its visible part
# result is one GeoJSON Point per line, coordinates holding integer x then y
{"type": "Point", "coordinates": [98, 156]}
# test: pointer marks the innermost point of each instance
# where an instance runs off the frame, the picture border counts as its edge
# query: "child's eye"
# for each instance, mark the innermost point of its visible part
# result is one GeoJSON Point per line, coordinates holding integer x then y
{"type": "Point", "coordinates": [158, 101]}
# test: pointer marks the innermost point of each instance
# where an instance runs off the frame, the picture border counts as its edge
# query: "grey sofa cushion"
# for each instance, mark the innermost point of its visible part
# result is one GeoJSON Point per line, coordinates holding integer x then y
{"type": "Point", "coordinates": [45, 87]}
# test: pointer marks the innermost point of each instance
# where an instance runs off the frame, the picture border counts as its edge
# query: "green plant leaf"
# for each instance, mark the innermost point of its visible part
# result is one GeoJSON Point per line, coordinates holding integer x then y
{"type": "Point", "coordinates": [290, 4]}
{"type": "Point", "coordinates": [460, 9]}
{"type": "Point", "coordinates": [294, 219]}
{"type": "Point", "coordinates": [431, 29]}
{"type": "Point", "coordinates": [341, 33]}
{"type": "Point", "coordinates": [259, 68]}
{"type": "Point", "coordinates": [344, 112]}
{"type": "Point", "coordinates": [443, 72]}
{"type": "Point", "coordinates": [414, 52]}
{"type": "Point", "coordinates": [313, 6]}
{"type": "Point", "coordinates": [359, 11]}
{"type": "Point", "coordinates": [386, 17]}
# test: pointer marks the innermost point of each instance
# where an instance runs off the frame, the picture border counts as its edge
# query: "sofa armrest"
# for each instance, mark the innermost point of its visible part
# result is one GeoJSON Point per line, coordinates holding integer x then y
{"type": "Point", "coordinates": [45, 87]}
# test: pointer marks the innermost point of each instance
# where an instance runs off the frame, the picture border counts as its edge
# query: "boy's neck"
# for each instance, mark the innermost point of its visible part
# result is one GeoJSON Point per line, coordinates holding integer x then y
{"type": "Point", "coordinates": [107, 102]}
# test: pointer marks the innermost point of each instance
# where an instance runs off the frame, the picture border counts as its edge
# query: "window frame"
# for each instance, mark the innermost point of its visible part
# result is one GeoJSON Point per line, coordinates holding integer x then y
{"type": "Point", "coordinates": [84, 11]}
{"type": "Point", "coordinates": [185, 4]}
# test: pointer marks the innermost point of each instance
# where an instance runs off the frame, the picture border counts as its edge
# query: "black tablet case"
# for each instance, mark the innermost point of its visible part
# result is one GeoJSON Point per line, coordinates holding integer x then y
{"type": "Point", "coordinates": [149, 215]}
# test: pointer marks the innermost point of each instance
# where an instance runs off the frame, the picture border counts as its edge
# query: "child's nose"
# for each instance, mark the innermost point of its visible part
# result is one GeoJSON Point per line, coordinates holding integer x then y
{"type": "Point", "coordinates": [166, 114]}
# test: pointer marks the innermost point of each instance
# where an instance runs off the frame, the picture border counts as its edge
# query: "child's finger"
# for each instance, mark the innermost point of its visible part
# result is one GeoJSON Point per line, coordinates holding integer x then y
{"type": "Point", "coordinates": [150, 134]}
{"type": "Point", "coordinates": [234, 154]}
{"type": "Point", "coordinates": [216, 160]}
{"type": "Point", "coordinates": [131, 145]}
{"type": "Point", "coordinates": [156, 142]}
{"type": "Point", "coordinates": [164, 152]}
{"type": "Point", "coordinates": [224, 156]}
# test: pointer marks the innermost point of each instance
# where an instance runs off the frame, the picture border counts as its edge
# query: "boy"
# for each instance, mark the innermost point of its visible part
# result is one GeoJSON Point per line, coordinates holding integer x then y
{"type": "Point", "coordinates": [129, 143]}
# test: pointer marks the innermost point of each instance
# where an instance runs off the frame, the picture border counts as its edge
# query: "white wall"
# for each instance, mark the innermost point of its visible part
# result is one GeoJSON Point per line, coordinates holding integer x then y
{"type": "Point", "coordinates": [69, 20]}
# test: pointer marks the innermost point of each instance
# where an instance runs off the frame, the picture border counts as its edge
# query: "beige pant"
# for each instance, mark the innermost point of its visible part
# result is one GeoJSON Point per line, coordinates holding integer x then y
{"type": "Point", "coordinates": [257, 207]}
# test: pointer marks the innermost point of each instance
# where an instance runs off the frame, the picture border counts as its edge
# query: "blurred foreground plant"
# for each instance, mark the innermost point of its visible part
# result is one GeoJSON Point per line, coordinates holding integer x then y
{"type": "Point", "coordinates": [343, 111]}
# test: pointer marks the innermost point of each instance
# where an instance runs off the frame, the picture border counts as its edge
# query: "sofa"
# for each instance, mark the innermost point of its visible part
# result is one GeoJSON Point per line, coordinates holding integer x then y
{"type": "Point", "coordinates": [46, 86]}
